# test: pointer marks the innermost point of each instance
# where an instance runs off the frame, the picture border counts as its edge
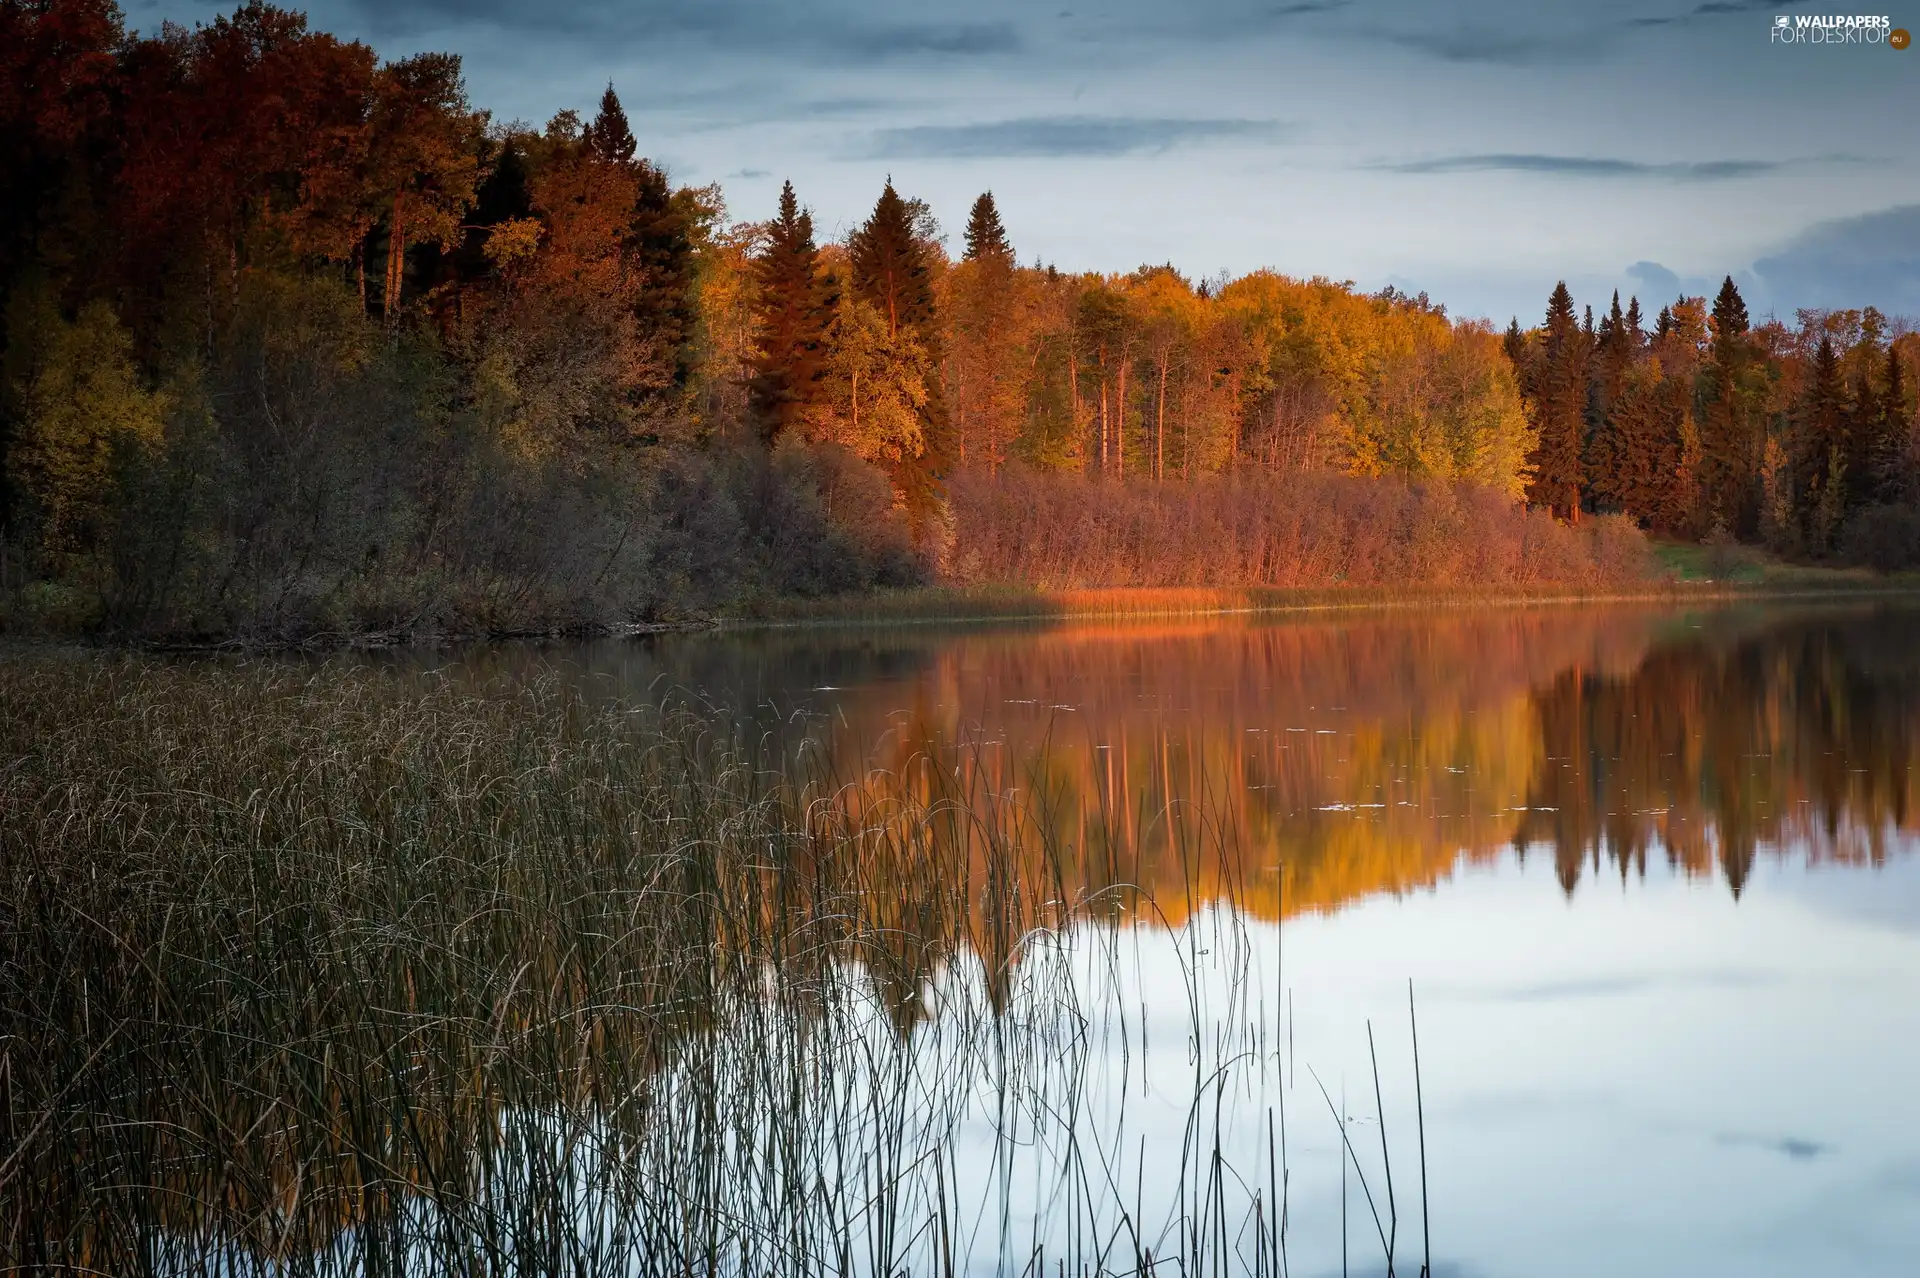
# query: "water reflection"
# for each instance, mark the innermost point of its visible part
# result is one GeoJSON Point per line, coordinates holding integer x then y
{"type": "Point", "coordinates": [1012, 984]}
{"type": "Point", "coordinates": [1351, 757]}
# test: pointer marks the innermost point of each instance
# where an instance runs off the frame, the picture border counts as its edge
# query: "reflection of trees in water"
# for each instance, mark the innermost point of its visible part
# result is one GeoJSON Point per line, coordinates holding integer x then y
{"type": "Point", "coordinates": [294, 951]}
{"type": "Point", "coordinates": [1797, 738]}
{"type": "Point", "coordinates": [1317, 764]}
{"type": "Point", "coordinates": [325, 939]}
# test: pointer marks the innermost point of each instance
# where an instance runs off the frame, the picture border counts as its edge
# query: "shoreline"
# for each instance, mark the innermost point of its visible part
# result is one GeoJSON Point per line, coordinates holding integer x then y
{"type": "Point", "coordinates": [958, 607]}
{"type": "Point", "coordinates": [996, 605]}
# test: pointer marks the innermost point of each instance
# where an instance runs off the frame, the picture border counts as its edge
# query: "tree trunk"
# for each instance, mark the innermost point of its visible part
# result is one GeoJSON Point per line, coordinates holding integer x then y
{"type": "Point", "coordinates": [1105, 451]}
{"type": "Point", "coordinates": [1160, 427]}
{"type": "Point", "coordinates": [396, 264]}
{"type": "Point", "coordinates": [1073, 383]}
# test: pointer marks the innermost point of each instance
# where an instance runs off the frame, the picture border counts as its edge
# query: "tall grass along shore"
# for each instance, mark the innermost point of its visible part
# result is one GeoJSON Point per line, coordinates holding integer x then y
{"type": "Point", "coordinates": [319, 969]}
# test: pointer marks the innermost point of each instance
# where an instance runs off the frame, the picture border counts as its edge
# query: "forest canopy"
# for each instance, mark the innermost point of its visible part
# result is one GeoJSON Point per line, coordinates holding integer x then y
{"type": "Point", "coordinates": [298, 339]}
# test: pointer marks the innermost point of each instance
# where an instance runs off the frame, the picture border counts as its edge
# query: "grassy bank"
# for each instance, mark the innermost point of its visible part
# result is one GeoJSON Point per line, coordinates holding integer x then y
{"type": "Point", "coordinates": [1750, 568]}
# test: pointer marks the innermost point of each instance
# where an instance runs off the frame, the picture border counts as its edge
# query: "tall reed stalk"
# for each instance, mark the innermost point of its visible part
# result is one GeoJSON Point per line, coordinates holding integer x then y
{"type": "Point", "coordinates": [327, 969]}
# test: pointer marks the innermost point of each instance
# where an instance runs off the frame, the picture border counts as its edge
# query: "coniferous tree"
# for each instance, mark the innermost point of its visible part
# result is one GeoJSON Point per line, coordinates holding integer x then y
{"type": "Point", "coordinates": [889, 266]}
{"type": "Point", "coordinates": [1663, 326]}
{"type": "Point", "coordinates": [986, 360]}
{"type": "Point", "coordinates": [1607, 480]}
{"type": "Point", "coordinates": [1729, 460]}
{"type": "Point", "coordinates": [1819, 453]}
{"type": "Point", "coordinates": [890, 272]}
{"type": "Point", "coordinates": [1643, 450]}
{"type": "Point", "coordinates": [1859, 430]}
{"type": "Point", "coordinates": [986, 237]}
{"type": "Point", "coordinates": [1520, 354]}
{"type": "Point", "coordinates": [1559, 410]}
{"type": "Point", "coordinates": [1514, 341]}
{"type": "Point", "coordinates": [1887, 450]}
{"type": "Point", "coordinates": [658, 243]}
{"type": "Point", "coordinates": [794, 308]}
{"type": "Point", "coordinates": [609, 137]}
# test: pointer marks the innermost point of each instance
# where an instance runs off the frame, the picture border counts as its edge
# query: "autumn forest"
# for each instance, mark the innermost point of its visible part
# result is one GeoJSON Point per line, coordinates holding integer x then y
{"type": "Point", "coordinates": [300, 342]}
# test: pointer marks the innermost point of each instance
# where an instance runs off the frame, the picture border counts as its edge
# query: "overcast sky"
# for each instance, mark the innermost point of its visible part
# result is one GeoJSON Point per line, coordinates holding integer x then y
{"type": "Point", "coordinates": [1476, 150]}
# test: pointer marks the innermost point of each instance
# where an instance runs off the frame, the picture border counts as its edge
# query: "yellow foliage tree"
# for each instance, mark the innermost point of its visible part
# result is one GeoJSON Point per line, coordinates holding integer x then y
{"type": "Point", "coordinates": [876, 385]}
{"type": "Point", "coordinates": [1376, 385]}
{"type": "Point", "coordinates": [80, 405]}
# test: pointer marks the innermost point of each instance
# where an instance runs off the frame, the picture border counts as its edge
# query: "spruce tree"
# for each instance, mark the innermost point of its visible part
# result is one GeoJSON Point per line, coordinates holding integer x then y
{"type": "Point", "coordinates": [1559, 410]}
{"type": "Point", "coordinates": [1636, 426]}
{"type": "Point", "coordinates": [657, 245]}
{"type": "Point", "coordinates": [1888, 463]}
{"type": "Point", "coordinates": [890, 272]}
{"type": "Point", "coordinates": [1515, 344]}
{"type": "Point", "coordinates": [609, 137]}
{"type": "Point", "coordinates": [1860, 429]}
{"type": "Point", "coordinates": [1728, 443]}
{"type": "Point", "coordinates": [1819, 447]}
{"type": "Point", "coordinates": [794, 308]}
{"type": "Point", "coordinates": [889, 266]}
{"type": "Point", "coordinates": [660, 239]}
{"type": "Point", "coordinates": [1606, 446]}
{"type": "Point", "coordinates": [986, 237]}
{"type": "Point", "coordinates": [1636, 334]}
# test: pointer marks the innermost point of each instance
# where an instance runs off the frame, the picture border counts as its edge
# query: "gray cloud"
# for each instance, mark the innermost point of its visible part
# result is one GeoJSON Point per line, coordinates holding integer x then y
{"type": "Point", "coordinates": [1055, 136]}
{"type": "Point", "coordinates": [1855, 261]}
{"type": "Point", "coordinates": [1798, 1148]}
{"type": "Point", "coordinates": [735, 27]}
{"type": "Point", "coordinates": [1587, 166]}
{"type": "Point", "coordinates": [1525, 41]}
{"type": "Point", "coordinates": [1307, 7]}
{"type": "Point", "coordinates": [1715, 9]}
{"type": "Point", "coordinates": [1497, 46]}
{"type": "Point", "coordinates": [966, 39]}
{"type": "Point", "coordinates": [1659, 282]}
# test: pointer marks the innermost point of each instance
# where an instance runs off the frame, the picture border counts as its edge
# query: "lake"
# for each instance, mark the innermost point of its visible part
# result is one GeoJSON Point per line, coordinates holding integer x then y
{"type": "Point", "coordinates": [1150, 915]}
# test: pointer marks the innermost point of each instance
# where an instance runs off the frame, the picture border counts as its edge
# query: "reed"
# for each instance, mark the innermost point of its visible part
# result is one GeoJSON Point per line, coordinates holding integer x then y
{"type": "Point", "coordinates": [323, 968]}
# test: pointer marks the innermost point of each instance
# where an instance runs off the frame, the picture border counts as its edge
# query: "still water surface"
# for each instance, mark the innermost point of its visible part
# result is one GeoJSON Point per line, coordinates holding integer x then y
{"type": "Point", "coordinates": [1650, 875]}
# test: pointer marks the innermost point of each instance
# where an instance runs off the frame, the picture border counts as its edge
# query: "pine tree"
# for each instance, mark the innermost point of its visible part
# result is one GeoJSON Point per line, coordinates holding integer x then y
{"type": "Point", "coordinates": [1559, 410]}
{"type": "Point", "coordinates": [1636, 335]}
{"type": "Point", "coordinates": [1514, 342]}
{"type": "Point", "coordinates": [1663, 326]}
{"type": "Point", "coordinates": [986, 237]}
{"type": "Point", "coordinates": [794, 309]}
{"type": "Point", "coordinates": [656, 248]}
{"type": "Point", "coordinates": [889, 266]}
{"type": "Point", "coordinates": [985, 363]}
{"type": "Point", "coordinates": [1607, 479]}
{"type": "Point", "coordinates": [1887, 454]}
{"type": "Point", "coordinates": [890, 272]}
{"type": "Point", "coordinates": [1728, 440]}
{"type": "Point", "coordinates": [1859, 430]}
{"type": "Point", "coordinates": [1819, 452]}
{"type": "Point", "coordinates": [609, 137]}
{"type": "Point", "coordinates": [660, 241]}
